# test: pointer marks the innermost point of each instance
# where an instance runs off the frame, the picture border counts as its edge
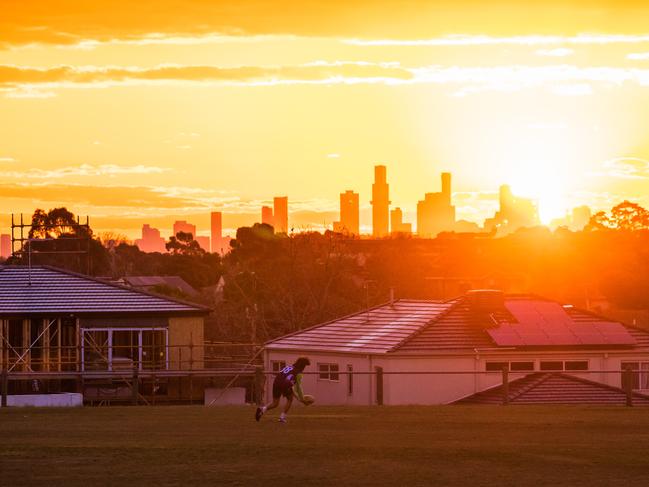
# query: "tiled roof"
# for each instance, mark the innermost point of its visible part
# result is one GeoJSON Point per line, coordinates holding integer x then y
{"type": "Point", "coordinates": [459, 328]}
{"type": "Point", "coordinates": [580, 316]}
{"type": "Point", "coordinates": [55, 291]}
{"type": "Point", "coordinates": [378, 330]}
{"type": "Point", "coordinates": [415, 327]}
{"type": "Point", "coordinates": [555, 388]}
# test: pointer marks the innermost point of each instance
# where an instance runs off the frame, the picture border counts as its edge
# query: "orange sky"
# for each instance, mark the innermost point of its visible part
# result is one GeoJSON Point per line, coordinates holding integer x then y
{"type": "Point", "coordinates": [152, 111]}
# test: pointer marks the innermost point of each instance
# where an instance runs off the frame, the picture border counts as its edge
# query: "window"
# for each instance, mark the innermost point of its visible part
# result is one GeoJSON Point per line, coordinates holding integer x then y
{"type": "Point", "coordinates": [640, 375]}
{"type": "Point", "coordinates": [496, 366]}
{"type": "Point", "coordinates": [521, 366]}
{"type": "Point", "coordinates": [328, 372]}
{"type": "Point", "coordinates": [277, 365]}
{"type": "Point", "coordinates": [123, 348]}
{"type": "Point", "coordinates": [576, 365]}
{"type": "Point", "coordinates": [552, 365]}
{"type": "Point", "coordinates": [350, 380]}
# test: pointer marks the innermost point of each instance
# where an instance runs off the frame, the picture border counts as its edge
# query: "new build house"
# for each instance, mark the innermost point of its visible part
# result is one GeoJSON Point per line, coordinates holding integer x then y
{"type": "Point", "coordinates": [466, 341]}
{"type": "Point", "coordinates": [57, 321]}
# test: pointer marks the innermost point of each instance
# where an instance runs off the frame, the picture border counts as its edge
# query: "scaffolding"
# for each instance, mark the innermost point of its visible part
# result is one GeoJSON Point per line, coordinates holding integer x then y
{"type": "Point", "coordinates": [107, 373]}
{"type": "Point", "coordinates": [25, 247]}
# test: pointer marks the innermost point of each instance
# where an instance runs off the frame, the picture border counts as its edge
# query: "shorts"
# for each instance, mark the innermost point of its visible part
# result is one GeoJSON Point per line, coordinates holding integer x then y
{"type": "Point", "coordinates": [282, 388]}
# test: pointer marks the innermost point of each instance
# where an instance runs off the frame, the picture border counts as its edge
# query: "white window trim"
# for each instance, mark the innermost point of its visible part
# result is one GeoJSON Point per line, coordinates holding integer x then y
{"type": "Point", "coordinates": [329, 372]}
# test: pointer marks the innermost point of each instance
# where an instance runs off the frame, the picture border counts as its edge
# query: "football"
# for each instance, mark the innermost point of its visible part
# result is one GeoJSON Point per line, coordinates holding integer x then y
{"type": "Point", "coordinates": [308, 399]}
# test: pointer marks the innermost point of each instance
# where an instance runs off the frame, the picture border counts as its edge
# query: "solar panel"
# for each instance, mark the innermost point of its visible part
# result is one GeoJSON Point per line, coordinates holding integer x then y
{"type": "Point", "coordinates": [505, 336]}
{"type": "Point", "coordinates": [544, 323]}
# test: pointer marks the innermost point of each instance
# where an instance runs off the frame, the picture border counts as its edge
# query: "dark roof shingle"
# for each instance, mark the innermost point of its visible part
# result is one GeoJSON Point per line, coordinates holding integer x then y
{"type": "Point", "coordinates": [555, 388]}
{"type": "Point", "coordinates": [56, 291]}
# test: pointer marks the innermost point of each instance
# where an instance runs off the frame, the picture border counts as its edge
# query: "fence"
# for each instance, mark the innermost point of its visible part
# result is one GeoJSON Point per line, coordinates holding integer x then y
{"type": "Point", "coordinates": [227, 364]}
{"type": "Point", "coordinates": [137, 373]}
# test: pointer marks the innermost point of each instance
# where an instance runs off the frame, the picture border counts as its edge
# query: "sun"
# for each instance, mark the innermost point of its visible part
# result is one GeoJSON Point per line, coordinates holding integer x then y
{"type": "Point", "coordinates": [544, 183]}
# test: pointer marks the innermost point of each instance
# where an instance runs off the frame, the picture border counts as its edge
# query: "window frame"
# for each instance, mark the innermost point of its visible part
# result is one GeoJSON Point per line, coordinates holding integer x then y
{"type": "Point", "coordinates": [280, 363]}
{"type": "Point", "coordinates": [521, 362]}
{"type": "Point", "coordinates": [573, 369]}
{"type": "Point", "coordinates": [328, 373]}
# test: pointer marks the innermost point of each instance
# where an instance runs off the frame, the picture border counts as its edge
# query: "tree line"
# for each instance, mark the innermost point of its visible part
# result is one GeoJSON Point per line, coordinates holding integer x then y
{"type": "Point", "coordinates": [271, 284]}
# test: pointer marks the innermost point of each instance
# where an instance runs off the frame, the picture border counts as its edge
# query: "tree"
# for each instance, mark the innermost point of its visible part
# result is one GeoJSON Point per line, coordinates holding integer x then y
{"type": "Point", "coordinates": [58, 239]}
{"type": "Point", "coordinates": [625, 216]}
{"type": "Point", "coordinates": [184, 244]}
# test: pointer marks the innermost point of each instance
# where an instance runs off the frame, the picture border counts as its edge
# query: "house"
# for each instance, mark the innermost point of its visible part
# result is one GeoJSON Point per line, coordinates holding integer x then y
{"type": "Point", "coordinates": [54, 320]}
{"type": "Point", "coordinates": [434, 352]}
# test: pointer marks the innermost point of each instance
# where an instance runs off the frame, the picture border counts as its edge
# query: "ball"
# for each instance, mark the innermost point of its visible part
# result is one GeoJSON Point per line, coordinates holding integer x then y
{"type": "Point", "coordinates": [308, 399]}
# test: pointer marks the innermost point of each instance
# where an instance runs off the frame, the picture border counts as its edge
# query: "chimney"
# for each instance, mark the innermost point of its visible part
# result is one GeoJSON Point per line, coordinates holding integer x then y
{"type": "Point", "coordinates": [391, 296]}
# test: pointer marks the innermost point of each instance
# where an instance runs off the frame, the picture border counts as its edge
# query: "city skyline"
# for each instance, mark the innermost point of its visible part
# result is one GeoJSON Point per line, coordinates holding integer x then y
{"type": "Point", "coordinates": [169, 118]}
{"type": "Point", "coordinates": [435, 213]}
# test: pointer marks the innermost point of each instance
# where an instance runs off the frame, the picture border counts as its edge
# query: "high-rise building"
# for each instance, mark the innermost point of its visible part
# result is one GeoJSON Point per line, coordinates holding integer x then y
{"type": "Point", "coordinates": [349, 214]}
{"type": "Point", "coordinates": [151, 240]}
{"type": "Point", "coordinates": [435, 213]}
{"type": "Point", "coordinates": [203, 242]}
{"type": "Point", "coordinates": [380, 203]}
{"type": "Point", "coordinates": [280, 214]}
{"type": "Point", "coordinates": [5, 246]}
{"type": "Point", "coordinates": [267, 215]}
{"type": "Point", "coordinates": [580, 217]}
{"type": "Point", "coordinates": [514, 213]}
{"type": "Point", "coordinates": [397, 224]}
{"type": "Point", "coordinates": [216, 221]}
{"type": "Point", "coordinates": [183, 226]}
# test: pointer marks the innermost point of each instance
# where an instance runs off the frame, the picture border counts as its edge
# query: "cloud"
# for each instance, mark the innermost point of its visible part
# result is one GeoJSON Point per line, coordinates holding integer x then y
{"type": "Point", "coordinates": [142, 199]}
{"type": "Point", "coordinates": [82, 170]}
{"type": "Point", "coordinates": [526, 40]}
{"type": "Point", "coordinates": [151, 202]}
{"type": "Point", "coordinates": [577, 89]}
{"type": "Point", "coordinates": [626, 168]}
{"type": "Point", "coordinates": [6, 159]}
{"type": "Point", "coordinates": [561, 79]}
{"type": "Point", "coordinates": [638, 56]}
{"type": "Point", "coordinates": [12, 76]}
{"type": "Point", "coordinates": [558, 52]}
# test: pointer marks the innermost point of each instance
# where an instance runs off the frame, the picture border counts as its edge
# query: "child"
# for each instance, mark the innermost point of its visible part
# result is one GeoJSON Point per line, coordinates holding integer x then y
{"type": "Point", "coordinates": [286, 383]}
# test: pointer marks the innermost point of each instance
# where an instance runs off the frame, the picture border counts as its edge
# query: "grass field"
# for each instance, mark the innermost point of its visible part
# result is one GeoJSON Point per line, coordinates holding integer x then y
{"type": "Point", "coordinates": [452, 445]}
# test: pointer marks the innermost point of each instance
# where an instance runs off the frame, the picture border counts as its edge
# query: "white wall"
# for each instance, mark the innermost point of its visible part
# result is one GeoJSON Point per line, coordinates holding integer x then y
{"type": "Point", "coordinates": [404, 389]}
{"type": "Point", "coordinates": [326, 392]}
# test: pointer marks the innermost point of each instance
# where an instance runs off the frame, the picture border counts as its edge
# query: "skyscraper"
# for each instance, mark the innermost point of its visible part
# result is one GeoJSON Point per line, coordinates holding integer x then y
{"type": "Point", "coordinates": [216, 222]}
{"type": "Point", "coordinates": [380, 203]}
{"type": "Point", "coordinates": [280, 214]}
{"type": "Point", "coordinates": [267, 215]}
{"type": "Point", "coordinates": [151, 240]}
{"type": "Point", "coordinates": [203, 242]}
{"type": "Point", "coordinates": [183, 226]}
{"type": "Point", "coordinates": [435, 213]}
{"type": "Point", "coordinates": [514, 213]}
{"type": "Point", "coordinates": [349, 214]}
{"type": "Point", "coordinates": [580, 217]}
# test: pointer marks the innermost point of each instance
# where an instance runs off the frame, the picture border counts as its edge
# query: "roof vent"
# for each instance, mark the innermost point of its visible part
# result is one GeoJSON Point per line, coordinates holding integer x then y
{"type": "Point", "coordinates": [486, 300]}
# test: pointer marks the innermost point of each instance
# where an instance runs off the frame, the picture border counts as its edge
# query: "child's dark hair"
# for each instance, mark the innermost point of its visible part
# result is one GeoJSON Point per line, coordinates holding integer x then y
{"type": "Point", "coordinates": [301, 363]}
